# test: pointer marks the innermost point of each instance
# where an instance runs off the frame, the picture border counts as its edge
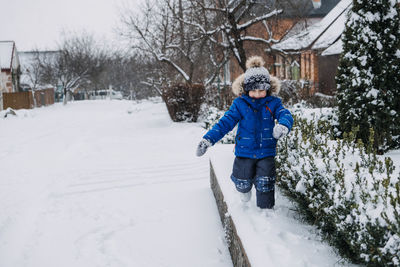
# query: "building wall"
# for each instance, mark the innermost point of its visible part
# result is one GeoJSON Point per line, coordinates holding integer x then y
{"type": "Point", "coordinates": [309, 69]}
{"type": "Point", "coordinates": [6, 81]}
{"type": "Point", "coordinates": [287, 66]}
{"type": "Point", "coordinates": [328, 66]}
{"type": "Point", "coordinates": [319, 71]}
{"type": "Point", "coordinates": [3, 79]}
{"type": "Point", "coordinates": [10, 78]}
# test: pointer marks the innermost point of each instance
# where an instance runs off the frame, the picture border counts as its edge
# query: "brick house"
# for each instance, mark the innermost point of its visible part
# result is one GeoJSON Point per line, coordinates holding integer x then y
{"type": "Point", "coordinates": [313, 55]}
{"type": "Point", "coordinates": [292, 19]}
{"type": "Point", "coordinates": [9, 67]}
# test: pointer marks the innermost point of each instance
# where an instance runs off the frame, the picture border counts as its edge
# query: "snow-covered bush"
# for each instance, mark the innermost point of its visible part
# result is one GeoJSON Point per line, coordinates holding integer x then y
{"type": "Point", "coordinates": [293, 92]}
{"type": "Point", "coordinates": [219, 96]}
{"type": "Point", "coordinates": [211, 117]}
{"type": "Point", "coordinates": [183, 101]}
{"type": "Point", "coordinates": [343, 187]}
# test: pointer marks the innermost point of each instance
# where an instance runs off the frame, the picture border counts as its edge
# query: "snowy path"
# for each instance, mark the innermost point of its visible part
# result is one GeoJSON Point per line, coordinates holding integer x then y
{"type": "Point", "coordinates": [90, 185]}
{"type": "Point", "coordinates": [271, 238]}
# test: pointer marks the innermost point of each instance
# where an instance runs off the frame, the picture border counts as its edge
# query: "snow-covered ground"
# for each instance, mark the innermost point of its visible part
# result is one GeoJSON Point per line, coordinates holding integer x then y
{"type": "Point", "coordinates": [116, 183]}
{"type": "Point", "coordinates": [105, 183]}
{"type": "Point", "coordinates": [271, 238]}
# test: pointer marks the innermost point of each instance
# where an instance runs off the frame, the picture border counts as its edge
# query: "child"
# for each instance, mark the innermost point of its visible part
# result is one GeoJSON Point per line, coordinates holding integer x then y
{"type": "Point", "coordinates": [255, 109]}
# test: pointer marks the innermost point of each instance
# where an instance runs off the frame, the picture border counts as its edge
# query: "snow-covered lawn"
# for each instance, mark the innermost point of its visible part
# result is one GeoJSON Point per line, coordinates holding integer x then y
{"type": "Point", "coordinates": [116, 183]}
{"type": "Point", "coordinates": [105, 183]}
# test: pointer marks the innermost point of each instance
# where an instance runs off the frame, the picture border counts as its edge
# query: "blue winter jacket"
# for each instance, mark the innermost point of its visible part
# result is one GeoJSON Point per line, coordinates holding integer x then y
{"type": "Point", "coordinates": [256, 121]}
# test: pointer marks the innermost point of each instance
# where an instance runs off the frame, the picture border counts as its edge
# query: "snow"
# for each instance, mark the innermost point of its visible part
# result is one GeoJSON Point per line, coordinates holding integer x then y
{"type": "Point", "coordinates": [306, 38]}
{"type": "Point", "coordinates": [398, 53]}
{"type": "Point", "coordinates": [335, 49]}
{"type": "Point", "coordinates": [105, 183]}
{"type": "Point", "coordinates": [395, 156]}
{"type": "Point", "coordinates": [116, 183]}
{"type": "Point", "coordinates": [373, 93]}
{"type": "Point", "coordinates": [333, 33]}
{"type": "Point", "coordinates": [6, 52]}
{"type": "Point", "coordinates": [270, 238]}
{"type": "Point", "coordinates": [301, 26]}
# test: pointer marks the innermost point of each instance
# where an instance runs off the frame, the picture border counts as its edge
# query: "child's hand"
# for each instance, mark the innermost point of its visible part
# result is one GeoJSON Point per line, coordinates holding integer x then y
{"type": "Point", "coordinates": [280, 131]}
{"type": "Point", "coordinates": [202, 147]}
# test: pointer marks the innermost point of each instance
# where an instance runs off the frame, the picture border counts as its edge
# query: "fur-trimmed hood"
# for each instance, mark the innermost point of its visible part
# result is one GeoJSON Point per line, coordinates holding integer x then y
{"type": "Point", "coordinates": [237, 85]}
{"type": "Point", "coordinates": [257, 63]}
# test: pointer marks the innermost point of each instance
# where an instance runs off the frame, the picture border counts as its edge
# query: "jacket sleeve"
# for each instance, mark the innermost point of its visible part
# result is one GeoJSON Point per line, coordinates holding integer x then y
{"type": "Point", "coordinates": [283, 115]}
{"type": "Point", "coordinates": [224, 125]}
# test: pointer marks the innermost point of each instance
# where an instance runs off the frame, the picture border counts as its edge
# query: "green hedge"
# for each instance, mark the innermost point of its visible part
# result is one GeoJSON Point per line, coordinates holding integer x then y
{"type": "Point", "coordinates": [344, 188]}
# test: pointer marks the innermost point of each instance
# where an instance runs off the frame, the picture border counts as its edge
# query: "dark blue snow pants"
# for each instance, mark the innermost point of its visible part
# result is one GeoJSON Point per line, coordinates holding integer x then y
{"type": "Point", "coordinates": [261, 173]}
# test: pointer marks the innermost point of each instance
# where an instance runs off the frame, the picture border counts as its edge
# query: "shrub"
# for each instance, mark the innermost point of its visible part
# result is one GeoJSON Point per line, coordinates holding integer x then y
{"type": "Point", "coordinates": [219, 96]}
{"type": "Point", "coordinates": [211, 117]}
{"type": "Point", "coordinates": [343, 187]}
{"type": "Point", "coordinates": [368, 77]}
{"type": "Point", "coordinates": [293, 92]}
{"type": "Point", "coordinates": [183, 101]}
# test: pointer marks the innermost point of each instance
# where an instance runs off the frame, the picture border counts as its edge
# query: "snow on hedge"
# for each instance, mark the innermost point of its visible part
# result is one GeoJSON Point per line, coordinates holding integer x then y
{"type": "Point", "coordinates": [351, 193]}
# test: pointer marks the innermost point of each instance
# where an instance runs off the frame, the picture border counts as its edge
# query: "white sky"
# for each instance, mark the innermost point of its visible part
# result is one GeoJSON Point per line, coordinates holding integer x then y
{"type": "Point", "coordinates": [39, 23]}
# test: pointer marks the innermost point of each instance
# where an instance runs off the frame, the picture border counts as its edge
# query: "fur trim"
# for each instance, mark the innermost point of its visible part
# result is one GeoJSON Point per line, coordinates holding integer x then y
{"type": "Point", "coordinates": [275, 86]}
{"type": "Point", "coordinates": [237, 85]}
{"type": "Point", "coordinates": [255, 62]}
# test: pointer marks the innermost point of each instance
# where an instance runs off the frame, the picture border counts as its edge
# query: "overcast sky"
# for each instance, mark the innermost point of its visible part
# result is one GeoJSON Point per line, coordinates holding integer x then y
{"type": "Point", "coordinates": [39, 23]}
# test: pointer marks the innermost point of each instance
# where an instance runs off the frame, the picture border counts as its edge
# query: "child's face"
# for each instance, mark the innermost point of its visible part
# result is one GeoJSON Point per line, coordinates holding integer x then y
{"type": "Point", "coordinates": [257, 93]}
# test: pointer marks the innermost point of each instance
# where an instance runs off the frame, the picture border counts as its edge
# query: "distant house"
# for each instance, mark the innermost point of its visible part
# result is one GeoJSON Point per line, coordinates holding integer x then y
{"type": "Point", "coordinates": [313, 54]}
{"type": "Point", "coordinates": [30, 68]}
{"type": "Point", "coordinates": [293, 19]}
{"type": "Point", "coordinates": [9, 67]}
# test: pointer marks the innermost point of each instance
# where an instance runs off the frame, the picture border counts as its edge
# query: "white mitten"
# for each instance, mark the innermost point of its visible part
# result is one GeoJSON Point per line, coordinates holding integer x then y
{"type": "Point", "coordinates": [280, 131]}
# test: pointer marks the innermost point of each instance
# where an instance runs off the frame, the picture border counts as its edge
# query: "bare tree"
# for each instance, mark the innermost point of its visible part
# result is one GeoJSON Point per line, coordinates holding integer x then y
{"type": "Point", "coordinates": [166, 31]}
{"type": "Point", "coordinates": [78, 64]}
{"type": "Point", "coordinates": [125, 72]}
{"type": "Point", "coordinates": [32, 70]}
{"type": "Point", "coordinates": [193, 39]}
{"type": "Point", "coordinates": [230, 22]}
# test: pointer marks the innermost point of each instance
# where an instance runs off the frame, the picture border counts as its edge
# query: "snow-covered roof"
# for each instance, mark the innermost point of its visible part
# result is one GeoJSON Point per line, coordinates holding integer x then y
{"type": "Point", "coordinates": [308, 37]}
{"type": "Point", "coordinates": [28, 59]}
{"type": "Point", "coordinates": [291, 9]}
{"type": "Point", "coordinates": [6, 54]}
{"type": "Point", "coordinates": [333, 33]}
{"type": "Point", "coordinates": [335, 49]}
{"type": "Point", "coordinates": [302, 26]}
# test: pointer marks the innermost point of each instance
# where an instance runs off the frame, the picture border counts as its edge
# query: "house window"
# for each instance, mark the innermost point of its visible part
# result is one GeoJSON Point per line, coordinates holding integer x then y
{"type": "Point", "coordinates": [295, 70]}
{"type": "Point", "coordinates": [279, 67]}
{"type": "Point", "coordinates": [287, 70]}
{"type": "Point", "coordinates": [227, 73]}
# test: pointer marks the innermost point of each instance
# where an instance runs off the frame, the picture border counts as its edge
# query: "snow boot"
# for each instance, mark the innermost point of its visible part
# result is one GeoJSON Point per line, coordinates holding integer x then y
{"type": "Point", "coordinates": [245, 197]}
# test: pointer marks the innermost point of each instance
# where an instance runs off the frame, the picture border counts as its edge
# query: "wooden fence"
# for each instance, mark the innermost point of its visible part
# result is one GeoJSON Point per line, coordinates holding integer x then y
{"type": "Point", "coordinates": [24, 100]}
{"type": "Point", "coordinates": [44, 97]}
